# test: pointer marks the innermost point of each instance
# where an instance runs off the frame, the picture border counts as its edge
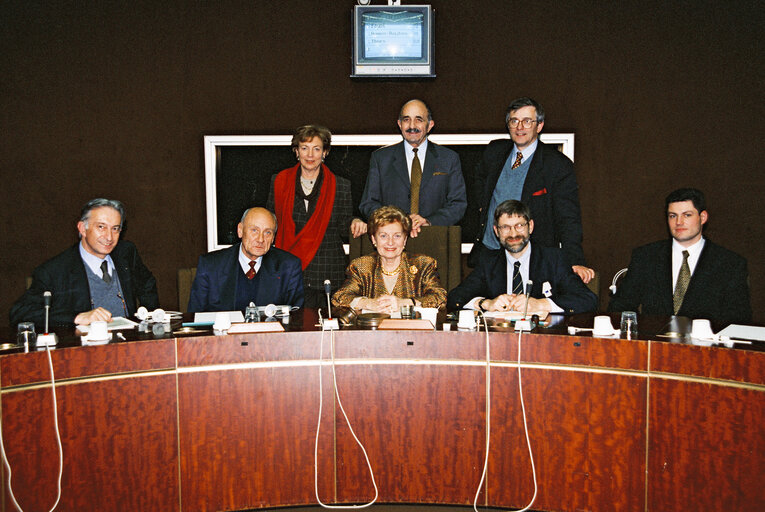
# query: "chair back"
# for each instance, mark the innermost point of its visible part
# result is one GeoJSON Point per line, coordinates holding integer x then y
{"type": "Point", "coordinates": [185, 279]}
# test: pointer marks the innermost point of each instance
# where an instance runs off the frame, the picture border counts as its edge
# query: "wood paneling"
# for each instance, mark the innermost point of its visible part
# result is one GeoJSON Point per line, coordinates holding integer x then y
{"type": "Point", "coordinates": [712, 362]}
{"type": "Point", "coordinates": [422, 426]}
{"type": "Point", "coordinates": [247, 438]}
{"type": "Point", "coordinates": [706, 447]}
{"type": "Point", "coordinates": [587, 435]}
{"type": "Point", "coordinates": [87, 361]}
{"type": "Point", "coordinates": [232, 437]}
{"type": "Point", "coordinates": [119, 442]}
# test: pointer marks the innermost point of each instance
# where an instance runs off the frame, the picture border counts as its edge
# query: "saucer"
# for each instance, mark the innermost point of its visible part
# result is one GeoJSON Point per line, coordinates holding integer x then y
{"type": "Point", "coordinates": [87, 340]}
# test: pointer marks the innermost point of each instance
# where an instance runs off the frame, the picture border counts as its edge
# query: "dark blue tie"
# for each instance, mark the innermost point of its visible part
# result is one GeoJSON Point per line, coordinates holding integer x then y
{"type": "Point", "coordinates": [517, 281]}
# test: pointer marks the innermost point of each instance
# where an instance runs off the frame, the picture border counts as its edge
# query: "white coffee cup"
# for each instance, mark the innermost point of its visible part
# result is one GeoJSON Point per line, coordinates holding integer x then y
{"type": "Point", "coordinates": [701, 329]}
{"type": "Point", "coordinates": [429, 314]}
{"type": "Point", "coordinates": [602, 326]}
{"type": "Point", "coordinates": [98, 331]}
{"type": "Point", "coordinates": [466, 319]}
{"type": "Point", "coordinates": [222, 322]}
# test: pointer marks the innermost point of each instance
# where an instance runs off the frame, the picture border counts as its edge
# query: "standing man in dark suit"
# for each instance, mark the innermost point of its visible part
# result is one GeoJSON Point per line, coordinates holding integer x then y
{"type": "Point", "coordinates": [499, 279]}
{"type": "Point", "coordinates": [686, 275]}
{"type": "Point", "coordinates": [250, 271]}
{"type": "Point", "coordinates": [96, 279]}
{"type": "Point", "coordinates": [420, 177]}
{"type": "Point", "coordinates": [540, 176]}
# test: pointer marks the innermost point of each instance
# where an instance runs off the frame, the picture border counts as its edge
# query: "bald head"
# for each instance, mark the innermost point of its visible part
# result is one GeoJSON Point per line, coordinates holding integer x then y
{"type": "Point", "coordinates": [257, 230]}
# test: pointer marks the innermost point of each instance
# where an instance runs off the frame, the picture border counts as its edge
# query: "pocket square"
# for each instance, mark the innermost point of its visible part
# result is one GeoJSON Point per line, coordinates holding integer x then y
{"type": "Point", "coordinates": [540, 192]}
{"type": "Point", "coordinates": [438, 173]}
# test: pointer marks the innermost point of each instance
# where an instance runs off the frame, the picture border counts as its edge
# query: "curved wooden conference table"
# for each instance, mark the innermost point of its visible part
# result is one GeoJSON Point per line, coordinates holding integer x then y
{"type": "Point", "coordinates": [199, 422]}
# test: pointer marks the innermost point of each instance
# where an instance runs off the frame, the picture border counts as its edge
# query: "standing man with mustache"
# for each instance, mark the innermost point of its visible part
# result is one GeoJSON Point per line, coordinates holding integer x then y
{"type": "Point", "coordinates": [251, 271]}
{"type": "Point", "coordinates": [540, 176]}
{"type": "Point", "coordinates": [420, 177]}
{"type": "Point", "coordinates": [499, 280]}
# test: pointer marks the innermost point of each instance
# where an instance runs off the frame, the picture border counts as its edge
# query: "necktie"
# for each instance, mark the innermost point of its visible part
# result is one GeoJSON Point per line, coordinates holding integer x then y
{"type": "Point", "coordinates": [414, 205]}
{"type": "Point", "coordinates": [517, 281]}
{"type": "Point", "coordinates": [683, 278]}
{"type": "Point", "coordinates": [518, 158]}
{"type": "Point", "coordinates": [251, 273]}
{"type": "Point", "coordinates": [105, 271]}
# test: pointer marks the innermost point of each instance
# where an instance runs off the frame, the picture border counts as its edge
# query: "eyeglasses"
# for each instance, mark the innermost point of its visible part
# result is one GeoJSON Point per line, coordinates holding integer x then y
{"type": "Point", "coordinates": [505, 228]}
{"type": "Point", "coordinates": [527, 122]}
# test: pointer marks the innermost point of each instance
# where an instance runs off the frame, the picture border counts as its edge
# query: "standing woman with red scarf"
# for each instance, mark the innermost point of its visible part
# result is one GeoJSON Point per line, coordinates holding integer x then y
{"type": "Point", "coordinates": [313, 210]}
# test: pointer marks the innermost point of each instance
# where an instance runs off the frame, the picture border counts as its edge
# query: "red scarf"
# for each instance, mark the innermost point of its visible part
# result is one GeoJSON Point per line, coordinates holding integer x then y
{"type": "Point", "coordinates": [304, 244]}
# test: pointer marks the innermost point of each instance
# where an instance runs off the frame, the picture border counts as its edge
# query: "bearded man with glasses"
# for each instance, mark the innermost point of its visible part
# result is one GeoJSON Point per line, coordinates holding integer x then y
{"type": "Point", "coordinates": [499, 280]}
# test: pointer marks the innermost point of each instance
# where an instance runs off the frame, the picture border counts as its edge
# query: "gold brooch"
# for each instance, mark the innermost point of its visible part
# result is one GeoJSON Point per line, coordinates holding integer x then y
{"type": "Point", "coordinates": [413, 269]}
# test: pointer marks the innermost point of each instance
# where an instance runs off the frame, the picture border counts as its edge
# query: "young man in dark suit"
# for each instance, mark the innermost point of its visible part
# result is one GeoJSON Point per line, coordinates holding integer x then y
{"type": "Point", "coordinates": [418, 176]}
{"type": "Point", "coordinates": [686, 275]}
{"type": "Point", "coordinates": [99, 277]}
{"type": "Point", "coordinates": [499, 279]}
{"type": "Point", "coordinates": [251, 271]}
{"type": "Point", "coordinates": [538, 175]}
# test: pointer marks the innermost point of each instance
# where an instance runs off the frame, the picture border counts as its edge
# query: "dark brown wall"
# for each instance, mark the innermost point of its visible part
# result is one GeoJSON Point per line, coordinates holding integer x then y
{"type": "Point", "coordinates": [113, 100]}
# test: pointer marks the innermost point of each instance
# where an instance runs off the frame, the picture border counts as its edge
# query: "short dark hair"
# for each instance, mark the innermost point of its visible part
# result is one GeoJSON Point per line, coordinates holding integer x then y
{"type": "Point", "coordinates": [427, 109]}
{"type": "Point", "coordinates": [525, 102]}
{"type": "Point", "coordinates": [100, 202]}
{"type": "Point", "coordinates": [511, 207]}
{"type": "Point", "coordinates": [694, 195]}
{"type": "Point", "coordinates": [388, 215]}
{"type": "Point", "coordinates": [308, 132]}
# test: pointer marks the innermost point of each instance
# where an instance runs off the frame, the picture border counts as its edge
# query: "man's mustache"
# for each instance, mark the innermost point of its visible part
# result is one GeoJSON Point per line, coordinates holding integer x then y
{"type": "Point", "coordinates": [412, 130]}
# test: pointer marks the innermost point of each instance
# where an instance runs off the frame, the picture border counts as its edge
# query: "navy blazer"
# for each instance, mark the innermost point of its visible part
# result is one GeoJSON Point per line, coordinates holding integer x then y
{"type": "Point", "coordinates": [548, 265]}
{"type": "Point", "coordinates": [65, 277]}
{"type": "Point", "coordinates": [550, 191]}
{"type": "Point", "coordinates": [718, 291]}
{"type": "Point", "coordinates": [443, 198]}
{"type": "Point", "coordinates": [214, 287]}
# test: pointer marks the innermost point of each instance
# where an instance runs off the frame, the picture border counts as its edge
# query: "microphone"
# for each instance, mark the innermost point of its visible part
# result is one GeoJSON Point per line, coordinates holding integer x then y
{"type": "Point", "coordinates": [525, 324]}
{"type": "Point", "coordinates": [46, 299]}
{"type": "Point", "coordinates": [329, 323]}
{"type": "Point", "coordinates": [46, 339]}
{"type": "Point", "coordinates": [612, 288]}
{"type": "Point", "coordinates": [327, 291]}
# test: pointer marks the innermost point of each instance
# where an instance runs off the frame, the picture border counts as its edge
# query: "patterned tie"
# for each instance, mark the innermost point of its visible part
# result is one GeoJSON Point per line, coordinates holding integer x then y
{"type": "Point", "coordinates": [414, 205]}
{"type": "Point", "coordinates": [683, 278]}
{"type": "Point", "coordinates": [105, 270]}
{"type": "Point", "coordinates": [517, 281]}
{"type": "Point", "coordinates": [251, 273]}
{"type": "Point", "coordinates": [518, 159]}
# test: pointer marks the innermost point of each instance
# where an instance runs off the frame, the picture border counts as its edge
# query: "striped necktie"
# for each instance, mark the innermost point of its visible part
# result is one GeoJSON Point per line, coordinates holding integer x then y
{"type": "Point", "coordinates": [517, 281]}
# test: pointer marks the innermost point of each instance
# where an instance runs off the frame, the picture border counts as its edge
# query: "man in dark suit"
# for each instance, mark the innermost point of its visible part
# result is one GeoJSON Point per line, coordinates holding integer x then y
{"type": "Point", "coordinates": [251, 271]}
{"type": "Point", "coordinates": [686, 275]}
{"type": "Point", "coordinates": [540, 176]}
{"type": "Point", "coordinates": [499, 279]}
{"type": "Point", "coordinates": [95, 279]}
{"type": "Point", "coordinates": [420, 177]}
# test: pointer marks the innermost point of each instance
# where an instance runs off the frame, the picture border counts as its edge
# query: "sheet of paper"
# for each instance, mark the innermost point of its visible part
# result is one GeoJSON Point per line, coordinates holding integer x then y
{"type": "Point", "coordinates": [209, 317]}
{"type": "Point", "coordinates": [744, 332]}
{"type": "Point", "coordinates": [117, 323]}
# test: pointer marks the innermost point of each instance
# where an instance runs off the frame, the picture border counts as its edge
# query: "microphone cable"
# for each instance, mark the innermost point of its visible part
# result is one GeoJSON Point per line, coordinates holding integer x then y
{"type": "Point", "coordinates": [488, 420]}
{"type": "Point", "coordinates": [58, 441]}
{"type": "Point", "coordinates": [347, 421]}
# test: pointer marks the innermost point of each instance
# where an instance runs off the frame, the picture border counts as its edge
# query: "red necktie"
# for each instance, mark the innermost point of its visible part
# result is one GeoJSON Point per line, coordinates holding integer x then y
{"type": "Point", "coordinates": [251, 273]}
